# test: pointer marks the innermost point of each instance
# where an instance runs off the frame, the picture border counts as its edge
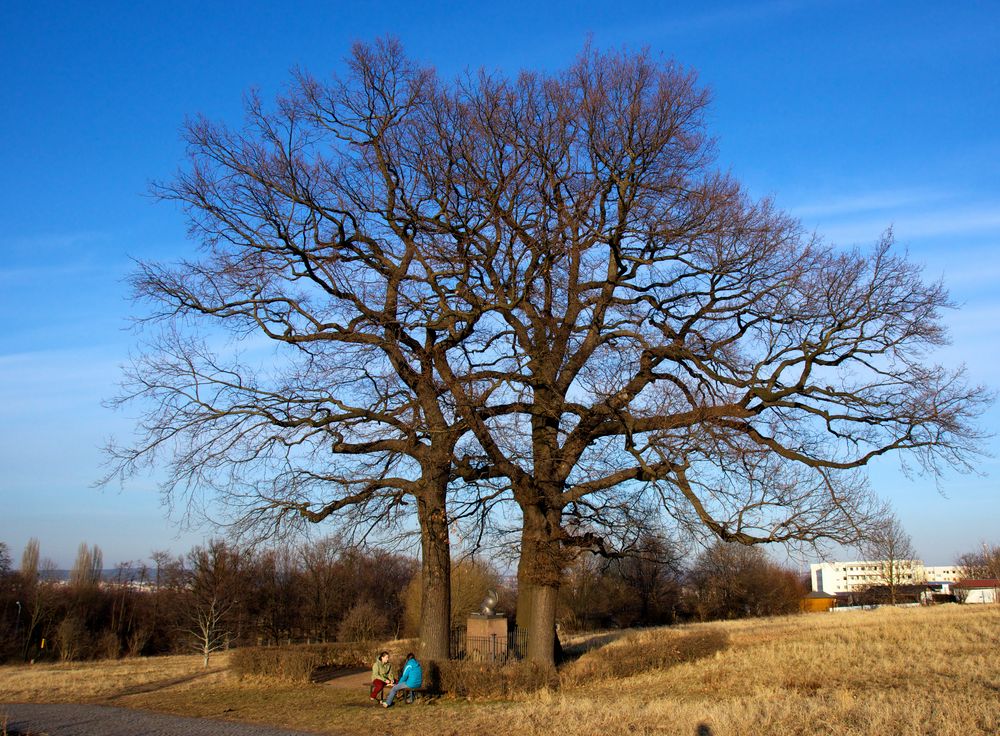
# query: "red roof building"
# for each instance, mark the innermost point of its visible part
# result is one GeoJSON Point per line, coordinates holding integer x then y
{"type": "Point", "coordinates": [976, 590]}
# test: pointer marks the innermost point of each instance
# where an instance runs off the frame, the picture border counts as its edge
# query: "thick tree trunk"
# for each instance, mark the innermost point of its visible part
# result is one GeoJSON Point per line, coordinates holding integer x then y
{"type": "Point", "coordinates": [524, 588]}
{"type": "Point", "coordinates": [435, 573]}
{"type": "Point", "coordinates": [542, 629]}
{"type": "Point", "coordinates": [539, 575]}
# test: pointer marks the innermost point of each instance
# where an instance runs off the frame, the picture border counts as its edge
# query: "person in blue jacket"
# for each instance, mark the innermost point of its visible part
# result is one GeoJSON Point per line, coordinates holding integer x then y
{"type": "Point", "coordinates": [411, 678]}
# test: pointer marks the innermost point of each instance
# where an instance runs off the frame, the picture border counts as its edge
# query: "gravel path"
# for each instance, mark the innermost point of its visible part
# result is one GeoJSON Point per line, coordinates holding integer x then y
{"type": "Point", "coordinates": [106, 720]}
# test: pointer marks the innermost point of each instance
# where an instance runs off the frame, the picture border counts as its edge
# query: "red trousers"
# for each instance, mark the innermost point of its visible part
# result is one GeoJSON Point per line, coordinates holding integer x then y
{"type": "Point", "coordinates": [377, 686]}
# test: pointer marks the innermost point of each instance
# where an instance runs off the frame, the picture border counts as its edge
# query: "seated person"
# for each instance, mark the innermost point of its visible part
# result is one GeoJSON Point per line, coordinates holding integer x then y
{"type": "Point", "coordinates": [411, 678]}
{"type": "Point", "coordinates": [381, 675]}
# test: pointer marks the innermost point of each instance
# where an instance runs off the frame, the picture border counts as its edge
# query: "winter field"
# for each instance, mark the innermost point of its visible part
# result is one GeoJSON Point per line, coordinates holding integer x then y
{"type": "Point", "coordinates": [889, 671]}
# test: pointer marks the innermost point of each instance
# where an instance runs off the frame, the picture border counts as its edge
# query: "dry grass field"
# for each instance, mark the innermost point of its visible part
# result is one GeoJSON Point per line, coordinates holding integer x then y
{"type": "Point", "coordinates": [900, 671]}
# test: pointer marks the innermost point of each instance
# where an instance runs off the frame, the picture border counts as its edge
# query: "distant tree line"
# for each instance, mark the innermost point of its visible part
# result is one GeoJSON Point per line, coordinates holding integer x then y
{"type": "Point", "coordinates": [983, 564]}
{"type": "Point", "coordinates": [220, 595]}
{"type": "Point", "coordinates": [215, 596]}
{"type": "Point", "coordinates": [724, 581]}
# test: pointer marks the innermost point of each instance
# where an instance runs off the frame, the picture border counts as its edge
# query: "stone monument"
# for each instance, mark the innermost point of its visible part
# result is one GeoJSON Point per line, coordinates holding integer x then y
{"type": "Point", "coordinates": [486, 632]}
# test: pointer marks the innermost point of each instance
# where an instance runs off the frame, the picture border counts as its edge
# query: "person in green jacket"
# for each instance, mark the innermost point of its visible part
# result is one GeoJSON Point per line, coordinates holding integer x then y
{"type": "Point", "coordinates": [381, 675]}
{"type": "Point", "coordinates": [411, 679]}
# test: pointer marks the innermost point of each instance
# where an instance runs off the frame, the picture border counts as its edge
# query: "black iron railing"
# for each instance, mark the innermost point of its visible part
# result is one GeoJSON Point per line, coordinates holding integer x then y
{"type": "Point", "coordinates": [488, 648]}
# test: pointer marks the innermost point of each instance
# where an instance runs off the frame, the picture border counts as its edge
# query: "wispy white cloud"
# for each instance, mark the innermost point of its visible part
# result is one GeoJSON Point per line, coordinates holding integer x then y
{"type": "Point", "coordinates": [968, 271]}
{"type": "Point", "coordinates": [52, 423]}
{"type": "Point", "coordinates": [978, 322]}
{"type": "Point", "coordinates": [913, 214]}
{"type": "Point", "coordinates": [856, 203]}
{"type": "Point", "coordinates": [51, 241]}
{"type": "Point", "coordinates": [30, 258]}
{"type": "Point", "coordinates": [48, 271]}
{"type": "Point", "coordinates": [916, 226]}
{"type": "Point", "coordinates": [975, 333]}
{"type": "Point", "coordinates": [54, 383]}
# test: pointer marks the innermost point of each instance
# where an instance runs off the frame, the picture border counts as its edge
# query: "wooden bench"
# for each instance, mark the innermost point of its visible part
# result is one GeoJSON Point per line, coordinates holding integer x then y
{"type": "Point", "coordinates": [412, 695]}
{"type": "Point", "coordinates": [408, 696]}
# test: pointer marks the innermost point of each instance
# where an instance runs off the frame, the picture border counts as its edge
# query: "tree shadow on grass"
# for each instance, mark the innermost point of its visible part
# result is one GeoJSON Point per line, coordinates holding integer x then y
{"type": "Point", "coordinates": [584, 643]}
{"type": "Point", "coordinates": [152, 687]}
{"type": "Point", "coordinates": [661, 651]}
{"type": "Point", "coordinates": [333, 672]}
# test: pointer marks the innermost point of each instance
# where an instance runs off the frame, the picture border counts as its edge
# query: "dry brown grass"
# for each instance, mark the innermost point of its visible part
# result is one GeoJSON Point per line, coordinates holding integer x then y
{"type": "Point", "coordinates": [82, 682]}
{"type": "Point", "coordinates": [620, 658]}
{"type": "Point", "coordinates": [904, 671]}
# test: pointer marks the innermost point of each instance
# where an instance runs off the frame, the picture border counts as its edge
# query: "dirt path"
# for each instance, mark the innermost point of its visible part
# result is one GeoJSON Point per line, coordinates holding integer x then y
{"type": "Point", "coordinates": [101, 718]}
{"type": "Point", "coordinates": [150, 687]}
{"type": "Point", "coordinates": [351, 679]}
{"type": "Point", "coordinates": [104, 720]}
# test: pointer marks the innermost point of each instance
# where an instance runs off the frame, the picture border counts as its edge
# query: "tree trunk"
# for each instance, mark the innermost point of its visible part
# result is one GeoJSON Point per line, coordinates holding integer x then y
{"type": "Point", "coordinates": [539, 573]}
{"type": "Point", "coordinates": [524, 589]}
{"type": "Point", "coordinates": [542, 629]}
{"type": "Point", "coordinates": [435, 573]}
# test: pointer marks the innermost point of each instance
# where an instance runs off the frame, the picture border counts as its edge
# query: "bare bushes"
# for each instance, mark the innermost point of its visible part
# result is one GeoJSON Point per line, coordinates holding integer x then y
{"type": "Point", "coordinates": [479, 680]}
{"type": "Point", "coordinates": [297, 663]}
{"type": "Point", "coordinates": [643, 652]}
{"type": "Point", "coordinates": [107, 646]}
{"type": "Point", "coordinates": [72, 638]}
{"type": "Point", "coordinates": [730, 581]}
{"type": "Point", "coordinates": [138, 638]}
{"type": "Point", "coordinates": [638, 652]}
{"type": "Point", "coordinates": [364, 622]}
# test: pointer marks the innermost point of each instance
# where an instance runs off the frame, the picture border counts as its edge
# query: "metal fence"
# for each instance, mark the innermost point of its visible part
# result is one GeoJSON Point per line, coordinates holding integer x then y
{"type": "Point", "coordinates": [488, 648]}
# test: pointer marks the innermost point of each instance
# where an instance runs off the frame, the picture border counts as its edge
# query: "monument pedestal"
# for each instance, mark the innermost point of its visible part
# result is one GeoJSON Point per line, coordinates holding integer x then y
{"type": "Point", "coordinates": [486, 637]}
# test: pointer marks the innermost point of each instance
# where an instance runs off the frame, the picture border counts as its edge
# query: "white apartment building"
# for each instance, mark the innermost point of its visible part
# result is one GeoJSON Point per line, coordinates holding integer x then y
{"type": "Point", "coordinates": [848, 577]}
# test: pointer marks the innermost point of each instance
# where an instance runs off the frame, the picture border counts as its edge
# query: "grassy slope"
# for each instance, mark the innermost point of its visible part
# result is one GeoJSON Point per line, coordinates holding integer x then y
{"type": "Point", "coordinates": [902, 671]}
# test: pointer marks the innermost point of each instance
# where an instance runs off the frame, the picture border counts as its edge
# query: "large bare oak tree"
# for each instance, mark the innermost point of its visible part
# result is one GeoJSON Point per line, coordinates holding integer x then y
{"type": "Point", "coordinates": [651, 324]}
{"type": "Point", "coordinates": [542, 282]}
{"type": "Point", "coordinates": [308, 245]}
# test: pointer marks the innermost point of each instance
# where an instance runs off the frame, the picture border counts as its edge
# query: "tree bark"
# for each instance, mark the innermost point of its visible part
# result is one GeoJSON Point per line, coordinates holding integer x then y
{"type": "Point", "coordinates": [542, 630]}
{"type": "Point", "coordinates": [524, 590]}
{"type": "Point", "coordinates": [539, 574]}
{"type": "Point", "coordinates": [435, 572]}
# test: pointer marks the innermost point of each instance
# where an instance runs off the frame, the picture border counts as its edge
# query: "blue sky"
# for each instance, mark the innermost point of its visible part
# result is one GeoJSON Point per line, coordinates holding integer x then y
{"type": "Point", "coordinates": [854, 115]}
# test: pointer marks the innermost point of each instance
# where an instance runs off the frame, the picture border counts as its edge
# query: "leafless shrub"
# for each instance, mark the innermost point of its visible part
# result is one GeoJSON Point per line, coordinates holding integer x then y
{"type": "Point", "coordinates": [71, 638]}
{"type": "Point", "coordinates": [482, 680]}
{"type": "Point", "coordinates": [365, 622]}
{"type": "Point", "coordinates": [137, 640]}
{"type": "Point", "coordinates": [108, 646]}
{"type": "Point", "coordinates": [297, 663]}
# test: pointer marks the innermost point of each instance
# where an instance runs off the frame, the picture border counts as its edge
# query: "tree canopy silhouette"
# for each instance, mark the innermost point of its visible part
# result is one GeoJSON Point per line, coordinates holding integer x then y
{"type": "Point", "coordinates": [543, 282]}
